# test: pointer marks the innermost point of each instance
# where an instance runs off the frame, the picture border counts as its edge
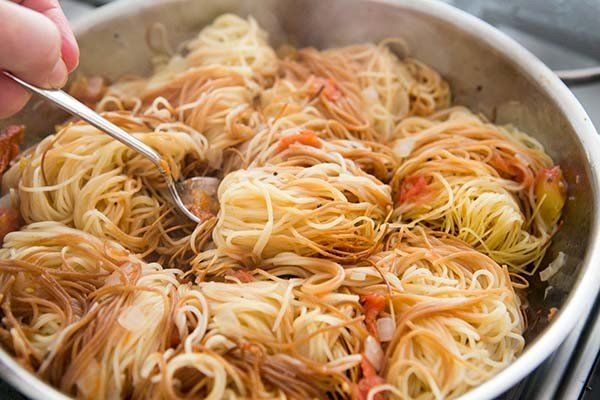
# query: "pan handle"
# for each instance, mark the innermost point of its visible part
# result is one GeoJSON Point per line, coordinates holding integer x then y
{"type": "Point", "coordinates": [581, 75]}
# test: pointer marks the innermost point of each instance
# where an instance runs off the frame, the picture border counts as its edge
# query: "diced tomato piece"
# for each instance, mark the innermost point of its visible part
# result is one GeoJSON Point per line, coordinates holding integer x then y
{"type": "Point", "coordinates": [10, 137]}
{"type": "Point", "coordinates": [369, 380]}
{"type": "Point", "coordinates": [501, 165]}
{"type": "Point", "coordinates": [372, 304]}
{"type": "Point", "coordinates": [10, 221]}
{"type": "Point", "coordinates": [505, 168]}
{"type": "Point", "coordinates": [552, 174]}
{"type": "Point", "coordinates": [305, 137]}
{"type": "Point", "coordinates": [412, 188]}
{"type": "Point", "coordinates": [368, 370]}
{"type": "Point", "coordinates": [243, 275]}
{"type": "Point", "coordinates": [327, 87]}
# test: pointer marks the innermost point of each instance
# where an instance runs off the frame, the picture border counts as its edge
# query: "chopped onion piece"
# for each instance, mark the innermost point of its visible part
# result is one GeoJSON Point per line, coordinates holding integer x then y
{"type": "Point", "coordinates": [370, 94]}
{"type": "Point", "coordinates": [374, 353]}
{"type": "Point", "coordinates": [132, 319]}
{"type": "Point", "coordinates": [547, 290]}
{"type": "Point", "coordinates": [113, 279]}
{"type": "Point", "coordinates": [554, 266]}
{"type": "Point", "coordinates": [403, 147]}
{"type": "Point", "coordinates": [385, 328]}
{"type": "Point", "coordinates": [358, 276]}
{"type": "Point", "coordinates": [116, 277]}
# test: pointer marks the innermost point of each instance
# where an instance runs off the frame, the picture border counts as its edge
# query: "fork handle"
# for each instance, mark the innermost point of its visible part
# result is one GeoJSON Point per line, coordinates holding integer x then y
{"type": "Point", "coordinates": [75, 107]}
{"type": "Point", "coordinates": [78, 109]}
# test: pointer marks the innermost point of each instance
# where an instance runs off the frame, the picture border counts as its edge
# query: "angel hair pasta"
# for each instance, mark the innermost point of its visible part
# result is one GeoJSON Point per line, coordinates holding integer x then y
{"type": "Point", "coordinates": [361, 238]}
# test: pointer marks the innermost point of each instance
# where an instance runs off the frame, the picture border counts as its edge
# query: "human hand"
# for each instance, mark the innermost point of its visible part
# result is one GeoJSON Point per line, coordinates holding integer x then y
{"type": "Point", "coordinates": [37, 45]}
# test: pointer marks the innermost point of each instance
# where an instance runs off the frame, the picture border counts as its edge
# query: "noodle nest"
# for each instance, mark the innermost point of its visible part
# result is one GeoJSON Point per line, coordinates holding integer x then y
{"type": "Point", "coordinates": [367, 239]}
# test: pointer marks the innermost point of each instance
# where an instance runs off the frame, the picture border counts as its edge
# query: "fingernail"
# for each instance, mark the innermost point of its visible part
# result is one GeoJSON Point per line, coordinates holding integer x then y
{"type": "Point", "coordinates": [58, 76]}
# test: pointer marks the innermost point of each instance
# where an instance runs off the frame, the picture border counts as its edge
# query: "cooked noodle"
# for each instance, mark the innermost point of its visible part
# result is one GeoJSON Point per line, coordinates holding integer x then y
{"type": "Point", "coordinates": [366, 240]}
{"type": "Point", "coordinates": [83, 178]}
{"type": "Point", "coordinates": [479, 184]}
{"type": "Point", "coordinates": [457, 316]}
{"type": "Point", "coordinates": [321, 209]}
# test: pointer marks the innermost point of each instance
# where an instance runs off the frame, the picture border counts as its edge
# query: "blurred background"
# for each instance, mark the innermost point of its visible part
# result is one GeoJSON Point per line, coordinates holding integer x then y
{"type": "Point", "coordinates": [564, 34]}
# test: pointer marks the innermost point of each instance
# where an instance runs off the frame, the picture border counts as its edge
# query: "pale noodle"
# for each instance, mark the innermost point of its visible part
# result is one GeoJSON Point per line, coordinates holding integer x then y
{"type": "Point", "coordinates": [83, 178]}
{"type": "Point", "coordinates": [358, 245]}
{"type": "Point", "coordinates": [480, 184]}
{"type": "Point", "coordinates": [457, 316]}
{"type": "Point", "coordinates": [321, 210]}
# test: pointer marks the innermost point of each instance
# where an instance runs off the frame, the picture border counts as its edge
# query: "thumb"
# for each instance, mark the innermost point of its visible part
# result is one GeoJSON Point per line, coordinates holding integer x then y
{"type": "Point", "coordinates": [31, 46]}
{"type": "Point", "coordinates": [52, 10]}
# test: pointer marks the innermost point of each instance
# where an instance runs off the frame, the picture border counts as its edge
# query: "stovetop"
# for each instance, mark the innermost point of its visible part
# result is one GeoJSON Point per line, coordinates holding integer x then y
{"type": "Point", "coordinates": [563, 34]}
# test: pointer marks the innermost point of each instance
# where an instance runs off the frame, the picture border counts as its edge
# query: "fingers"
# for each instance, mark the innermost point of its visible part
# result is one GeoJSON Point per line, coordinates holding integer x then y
{"type": "Point", "coordinates": [37, 45]}
{"type": "Point", "coordinates": [12, 97]}
{"type": "Point", "coordinates": [52, 10]}
{"type": "Point", "coordinates": [31, 46]}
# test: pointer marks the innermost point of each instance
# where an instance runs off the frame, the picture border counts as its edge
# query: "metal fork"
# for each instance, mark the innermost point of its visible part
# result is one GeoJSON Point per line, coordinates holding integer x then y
{"type": "Point", "coordinates": [178, 191]}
